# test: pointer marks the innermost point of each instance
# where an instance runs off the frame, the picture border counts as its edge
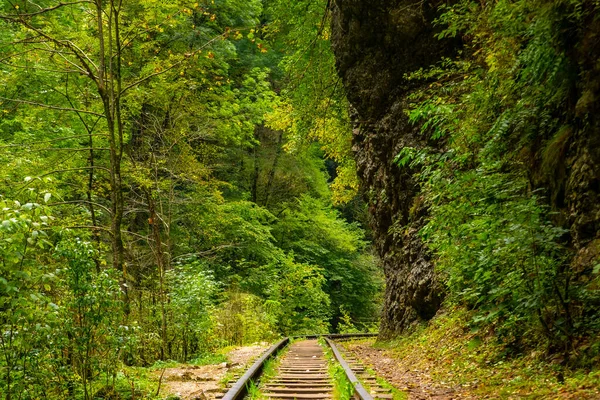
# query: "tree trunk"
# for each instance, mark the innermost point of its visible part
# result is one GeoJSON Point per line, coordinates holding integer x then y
{"type": "Point", "coordinates": [271, 178]}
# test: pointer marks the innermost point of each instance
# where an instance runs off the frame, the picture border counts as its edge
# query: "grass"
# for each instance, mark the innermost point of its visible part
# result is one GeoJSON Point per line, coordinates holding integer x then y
{"type": "Point", "coordinates": [269, 372]}
{"type": "Point", "coordinates": [209, 359]}
{"type": "Point", "coordinates": [228, 377]}
{"type": "Point", "coordinates": [158, 365]}
{"type": "Point", "coordinates": [396, 393]}
{"type": "Point", "coordinates": [141, 383]}
{"type": "Point", "coordinates": [452, 354]}
{"type": "Point", "coordinates": [342, 387]}
{"type": "Point", "coordinates": [254, 392]}
{"type": "Point", "coordinates": [132, 383]}
{"type": "Point", "coordinates": [345, 388]}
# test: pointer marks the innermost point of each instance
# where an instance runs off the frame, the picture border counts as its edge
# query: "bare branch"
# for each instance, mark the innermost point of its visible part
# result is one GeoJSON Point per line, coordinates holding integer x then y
{"type": "Point", "coordinates": [178, 63]}
{"type": "Point", "coordinates": [92, 227]}
{"type": "Point", "coordinates": [65, 71]}
{"type": "Point", "coordinates": [27, 40]}
{"type": "Point", "coordinates": [83, 71]}
{"type": "Point", "coordinates": [69, 149]}
{"type": "Point", "coordinates": [77, 52]}
{"type": "Point", "coordinates": [207, 252]}
{"type": "Point", "coordinates": [71, 169]}
{"type": "Point", "coordinates": [82, 52]}
{"type": "Point", "coordinates": [82, 201]}
{"type": "Point", "coordinates": [45, 10]}
{"type": "Point", "coordinates": [135, 210]}
{"type": "Point", "coordinates": [145, 238]}
{"type": "Point", "coordinates": [51, 107]}
{"type": "Point", "coordinates": [16, 54]}
{"type": "Point", "coordinates": [51, 140]}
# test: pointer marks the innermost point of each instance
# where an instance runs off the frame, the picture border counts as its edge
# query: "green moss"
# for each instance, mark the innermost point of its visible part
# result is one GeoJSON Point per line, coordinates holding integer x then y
{"type": "Point", "coordinates": [556, 149]}
{"type": "Point", "coordinates": [396, 393]}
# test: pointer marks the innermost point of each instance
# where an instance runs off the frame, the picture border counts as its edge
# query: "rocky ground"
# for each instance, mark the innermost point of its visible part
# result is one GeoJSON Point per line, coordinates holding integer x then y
{"type": "Point", "coordinates": [204, 382]}
{"type": "Point", "coordinates": [417, 383]}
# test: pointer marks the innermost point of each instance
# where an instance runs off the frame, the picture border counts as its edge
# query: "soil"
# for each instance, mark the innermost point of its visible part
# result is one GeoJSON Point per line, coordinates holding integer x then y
{"type": "Point", "coordinates": [193, 382]}
{"type": "Point", "coordinates": [418, 384]}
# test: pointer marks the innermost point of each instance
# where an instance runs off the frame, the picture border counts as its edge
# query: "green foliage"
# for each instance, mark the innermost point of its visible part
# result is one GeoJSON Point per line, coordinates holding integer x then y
{"type": "Point", "coordinates": [243, 318]}
{"type": "Point", "coordinates": [27, 311]}
{"type": "Point", "coordinates": [151, 127]}
{"type": "Point", "coordinates": [315, 234]}
{"type": "Point", "coordinates": [500, 253]}
{"type": "Point", "coordinates": [495, 240]}
{"type": "Point", "coordinates": [96, 334]}
{"type": "Point", "coordinates": [313, 106]}
{"type": "Point", "coordinates": [346, 325]}
{"type": "Point", "coordinates": [300, 302]}
{"type": "Point", "coordinates": [192, 294]}
{"type": "Point", "coordinates": [342, 387]}
{"type": "Point", "coordinates": [57, 309]}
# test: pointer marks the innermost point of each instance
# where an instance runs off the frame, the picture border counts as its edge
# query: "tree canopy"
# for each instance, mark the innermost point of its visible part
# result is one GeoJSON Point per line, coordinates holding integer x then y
{"type": "Point", "coordinates": [158, 201]}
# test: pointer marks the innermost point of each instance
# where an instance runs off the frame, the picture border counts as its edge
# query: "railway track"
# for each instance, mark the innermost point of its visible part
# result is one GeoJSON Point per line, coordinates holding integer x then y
{"type": "Point", "coordinates": [303, 373]}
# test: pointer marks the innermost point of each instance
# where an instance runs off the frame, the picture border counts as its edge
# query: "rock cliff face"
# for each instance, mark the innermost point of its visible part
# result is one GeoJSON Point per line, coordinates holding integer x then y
{"type": "Point", "coordinates": [376, 43]}
{"type": "Point", "coordinates": [574, 180]}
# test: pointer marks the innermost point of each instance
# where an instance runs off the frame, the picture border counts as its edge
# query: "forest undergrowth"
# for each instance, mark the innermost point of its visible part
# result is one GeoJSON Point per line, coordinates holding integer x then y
{"type": "Point", "coordinates": [453, 358]}
{"type": "Point", "coordinates": [500, 118]}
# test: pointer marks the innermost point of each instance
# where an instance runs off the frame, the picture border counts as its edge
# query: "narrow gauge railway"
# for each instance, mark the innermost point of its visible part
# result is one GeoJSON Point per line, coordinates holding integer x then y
{"type": "Point", "coordinates": [303, 372]}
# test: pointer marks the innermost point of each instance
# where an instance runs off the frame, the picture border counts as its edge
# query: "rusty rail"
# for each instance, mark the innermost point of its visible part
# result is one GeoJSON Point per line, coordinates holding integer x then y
{"type": "Point", "coordinates": [240, 388]}
{"type": "Point", "coordinates": [359, 390]}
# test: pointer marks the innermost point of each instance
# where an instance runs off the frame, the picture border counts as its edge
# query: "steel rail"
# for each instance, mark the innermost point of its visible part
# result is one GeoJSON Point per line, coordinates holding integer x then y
{"type": "Point", "coordinates": [359, 390]}
{"type": "Point", "coordinates": [240, 388]}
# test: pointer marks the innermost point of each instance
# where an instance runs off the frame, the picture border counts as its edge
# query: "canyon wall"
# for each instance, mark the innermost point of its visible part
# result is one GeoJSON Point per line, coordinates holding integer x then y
{"type": "Point", "coordinates": [376, 42]}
